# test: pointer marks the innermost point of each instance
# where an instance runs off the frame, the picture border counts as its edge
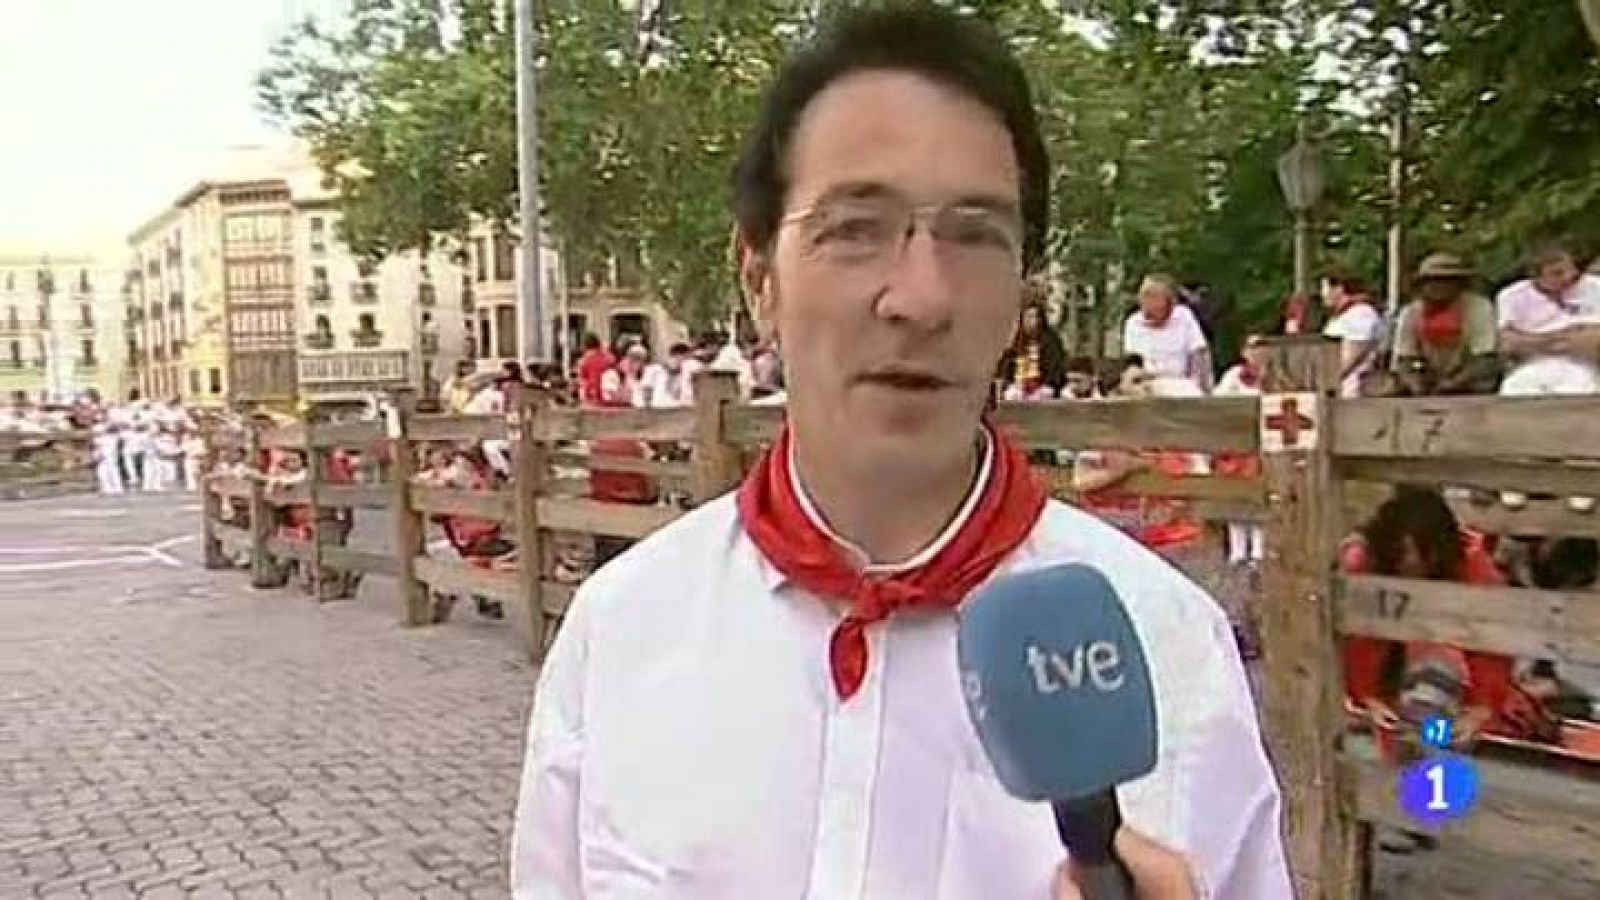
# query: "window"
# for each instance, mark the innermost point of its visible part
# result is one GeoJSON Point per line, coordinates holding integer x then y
{"type": "Point", "coordinates": [319, 235]}
{"type": "Point", "coordinates": [427, 322]}
{"type": "Point", "coordinates": [322, 325]}
{"type": "Point", "coordinates": [214, 376]}
{"type": "Point", "coordinates": [480, 260]}
{"type": "Point", "coordinates": [12, 321]}
{"type": "Point", "coordinates": [16, 354]}
{"type": "Point", "coordinates": [86, 315]}
{"type": "Point", "coordinates": [481, 348]}
{"type": "Point", "coordinates": [505, 327]}
{"type": "Point", "coordinates": [319, 276]}
{"type": "Point", "coordinates": [194, 382]}
{"type": "Point", "coordinates": [83, 280]}
{"type": "Point", "coordinates": [11, 281]}
{"type": "Point", "coordinates": [365, 268]}
{"type": "Point", "coordinates": [625, 325]}
{"type": "Point", "coordinates": [505, 258]}
{"type": "Point", "coordinates": [86, 352]}
{"type": "Point", "coordinates": [367, 323]}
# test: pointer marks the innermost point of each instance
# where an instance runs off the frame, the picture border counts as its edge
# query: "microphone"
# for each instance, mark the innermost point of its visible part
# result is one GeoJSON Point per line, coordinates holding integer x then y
{"type": "Point", "coordinates": [1059, 692]}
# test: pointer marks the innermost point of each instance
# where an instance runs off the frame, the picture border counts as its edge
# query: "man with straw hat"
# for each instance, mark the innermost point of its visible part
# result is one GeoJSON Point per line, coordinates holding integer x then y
{"type": "Point", "coordinates": [1444, 340]}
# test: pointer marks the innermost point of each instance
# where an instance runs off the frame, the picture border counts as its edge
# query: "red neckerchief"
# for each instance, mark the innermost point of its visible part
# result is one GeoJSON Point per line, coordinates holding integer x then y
{"type": "Point", "coordinates": [771, 514]}
{"type": "Point", "coordinates": [1249, 375]}
{"type": "Point", "coordinates": [1442, 326]}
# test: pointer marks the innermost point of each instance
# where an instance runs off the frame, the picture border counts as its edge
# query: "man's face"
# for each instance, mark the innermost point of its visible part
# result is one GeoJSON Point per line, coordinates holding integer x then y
{"type": "Point", "coordinates": [1080, 385]}
{"type": "Point", "coordinates": [1438, 291]}
{"type": "Point", "coordinates": [891, 353]}
{"type": "Point", "coordinates": [1557, 277]}
{"type": "Point", "coordinates": [1156, 302]}
{"type": "Point", "coordinates": [673, 362]}
{"type": "Point", "coordinates": [1255, 355]}
{"type": "Point", "coordinates": [1332, 294]}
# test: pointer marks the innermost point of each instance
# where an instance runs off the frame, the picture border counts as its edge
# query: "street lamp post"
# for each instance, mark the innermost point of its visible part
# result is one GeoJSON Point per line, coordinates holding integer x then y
{"type": "Point", "coordinates": [530, 318]}
{"type": "Point", "coordinates": [1300, 176]}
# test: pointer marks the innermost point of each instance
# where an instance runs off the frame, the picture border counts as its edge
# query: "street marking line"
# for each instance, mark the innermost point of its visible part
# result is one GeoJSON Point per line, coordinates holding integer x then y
{"type": "Point", "coordinates": [64, 564]}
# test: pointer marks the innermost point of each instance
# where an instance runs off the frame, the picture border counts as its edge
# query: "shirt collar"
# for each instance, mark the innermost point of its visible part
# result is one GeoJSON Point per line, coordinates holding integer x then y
{"type": "Point", "coordinates": [775, 579]}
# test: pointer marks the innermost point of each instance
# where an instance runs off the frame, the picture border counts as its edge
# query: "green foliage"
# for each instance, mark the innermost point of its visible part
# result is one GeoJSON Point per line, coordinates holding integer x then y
{"type": "Point", "coordinates": [1164, 119]}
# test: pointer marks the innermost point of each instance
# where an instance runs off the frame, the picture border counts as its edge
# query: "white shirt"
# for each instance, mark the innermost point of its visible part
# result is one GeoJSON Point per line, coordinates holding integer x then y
{"type": "Point", "coordinates": [487, 402]}
{"type": "Point", "coordinates": [730, 359]}
{"type": "Point", "coordinates": [1166, 350]}
{"type": "Point", "coordinates": [1359, 323]}
{"type": "Point", "coordinates": [686, 742]}
{"type": "Point", "coordinates": [1522, 306]}
{"type": "Point", "coordinates": [668, 390]}
{"type": "Point", "coordinates": [1232, 384]}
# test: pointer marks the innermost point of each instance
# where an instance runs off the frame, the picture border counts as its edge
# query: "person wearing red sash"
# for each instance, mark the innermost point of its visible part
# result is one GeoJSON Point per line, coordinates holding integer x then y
{"type": "Point", "coordinates": [762, 699]}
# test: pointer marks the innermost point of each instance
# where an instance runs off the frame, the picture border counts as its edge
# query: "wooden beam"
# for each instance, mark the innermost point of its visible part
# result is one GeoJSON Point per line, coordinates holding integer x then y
{"type": "Point", "coordinates": [596, 517]}
{"type": "Point", "coordinates": [717, 461]}
{"type": "Point", "coordinates": [290, 548]}
{"type": "Point", "coordinates": [355, 496]}
{"type": "Point", "coordinates": [457, 429]}
{"type": "Point", "coordinates": [1474, 427]}
{"type": "Point", "coordinates": [600, 462]}
{"type": "Point", "coordinates": [1561, 625]}
{"type": "Point", "coordinates": [531, 409]}
{"type": "Point", "coordinates": [235, 488]}
{"type": "Point", "coordinates": [557, 597]}
{"type": "Point", "coordinates": [496, 505]}
{"type": "Point", "coordinates": [1557, 478]}
{"type": "Point", "coordinates": [291, 495]}
{"type": "Point", "coordinates": [1540, 517]}
{"type": "Point", "coordinates": [288, 436]}
{"type": "Point", "coordinates": [345, 559]}
{"type": "Point", "coordinates": [262, 517]}
{"type": "Point", "coordinates": [1302, 692]}
{"type": "Point", "coordinates": [409, 531]}
{"type": "Point", "coordinates": [346, 434]}
{"type": "Point", "coordinates": [588, 424]}
{"type": "Point", "coordinates": [750, 426]}
{"type": "Point", "coordinates": [231, 538]}
{"type": "Point", "coordinates": [456, 578]}
{"type": "Point", "coordinates": [1522, 811]}
{"type": "Point", "coordinates": [1210, 424]}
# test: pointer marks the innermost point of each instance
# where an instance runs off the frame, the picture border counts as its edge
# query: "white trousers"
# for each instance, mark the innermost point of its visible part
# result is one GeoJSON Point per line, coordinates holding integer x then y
{"type": "Point", "coordinates": [1245, 542]}
{"type": "Point", "coordinates": [109, 476]}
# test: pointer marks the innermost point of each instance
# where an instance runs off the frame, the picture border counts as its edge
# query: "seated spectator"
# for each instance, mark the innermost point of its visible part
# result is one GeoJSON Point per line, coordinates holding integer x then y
{"type": "Point", "coordinates": [1444, 340]}
{"type": "Point", "coordinates": [1034, 367]}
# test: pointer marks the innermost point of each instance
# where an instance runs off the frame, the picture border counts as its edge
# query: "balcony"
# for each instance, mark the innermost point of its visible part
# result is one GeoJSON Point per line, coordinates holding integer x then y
{"type": "Point", "coordinates": [319, 294]}
{"type": "Point", "coordinates": [430, 344]}
{"type": "Point", "coordinates": [354, 369]}
{"type": "Point", "coordinates": [319, 341]}
{"type": "Point", "coordinates": [427, 295]}
{"type": "Point", "coordinates": [366, 339]}
{"type": "Point", "coordinates": [364, 292]}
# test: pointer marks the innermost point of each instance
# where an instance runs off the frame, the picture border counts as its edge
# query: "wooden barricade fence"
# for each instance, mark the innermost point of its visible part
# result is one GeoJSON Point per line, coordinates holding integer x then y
{"type": "Point", "coordinates": [43, 465]}
{"type": "Point", "coordinates": [1326, 464]}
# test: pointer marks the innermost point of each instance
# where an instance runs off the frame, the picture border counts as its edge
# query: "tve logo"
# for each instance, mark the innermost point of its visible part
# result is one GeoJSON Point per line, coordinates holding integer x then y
{"type": "Point", "coordinates": [1100, 660]}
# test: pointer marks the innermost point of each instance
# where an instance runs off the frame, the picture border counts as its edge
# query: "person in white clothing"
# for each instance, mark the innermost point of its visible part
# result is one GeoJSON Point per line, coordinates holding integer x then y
{"type": "Point", "coordinates": [1166, 335]}
{"type": "Point", "coordinates": [491, 401]}
{"type": "Point", "coordinates": [1246, 540]}
{"type": "Point", "coordinates": [1549, 327]}
{"type": "Point", "coordinates": [136, 453]}
{"type": "Point", "coordinates": [107, 466]}
{"type": "Point", "coordinates": [730, 710]}
{"type": "Point", "coordinates": [669, 384]}
{"type": "Point", "coordinates": [1354, 321]}
{"type": "Point", "coordinates": [729, 358]}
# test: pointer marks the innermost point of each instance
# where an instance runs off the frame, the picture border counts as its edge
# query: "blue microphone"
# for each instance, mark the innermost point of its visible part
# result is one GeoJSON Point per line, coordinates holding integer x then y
{"type": "Point", "coordinates": [1059, 692]}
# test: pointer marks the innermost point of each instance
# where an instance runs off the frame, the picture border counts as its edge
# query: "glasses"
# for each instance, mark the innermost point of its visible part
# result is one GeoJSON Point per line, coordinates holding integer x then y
{"type": "Point", "coordinates": [870, 234]}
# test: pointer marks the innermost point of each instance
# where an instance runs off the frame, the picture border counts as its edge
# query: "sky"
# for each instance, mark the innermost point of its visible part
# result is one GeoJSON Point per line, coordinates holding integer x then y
{"type": "Point", "coordinates": [110, 108]}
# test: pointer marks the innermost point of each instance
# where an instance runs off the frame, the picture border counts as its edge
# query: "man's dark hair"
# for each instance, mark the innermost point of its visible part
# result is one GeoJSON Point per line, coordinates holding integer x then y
{"type": "Point", "coordinates": [1349, 282]}
{"type": "Point", "coordinates": [1422, 515]}
{"type": "Point", "coordinates": [679, 349]}
{"type": "Point", "coordinates": [958, 52]}
{"type": "Point", "coordinates": [1548, 253]}
{"type": "Point", "coordinates": [591, 341]}
{"type": "Point", "coordinates": [1080, 365]}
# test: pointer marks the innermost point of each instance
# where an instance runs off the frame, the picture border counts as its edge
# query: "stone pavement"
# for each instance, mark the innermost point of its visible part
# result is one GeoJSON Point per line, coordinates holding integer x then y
{"type": "Point", "coordinates": [168, 732]}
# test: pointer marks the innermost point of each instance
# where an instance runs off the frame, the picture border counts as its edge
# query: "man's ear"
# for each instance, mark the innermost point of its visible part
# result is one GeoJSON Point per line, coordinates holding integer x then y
{"type": "Point", "coordinates": [755, 285]}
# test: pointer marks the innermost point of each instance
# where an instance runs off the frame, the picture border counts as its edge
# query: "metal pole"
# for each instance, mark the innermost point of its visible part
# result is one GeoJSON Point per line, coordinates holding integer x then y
{"type": "Point", "coordinates": [1302, 253]}
{"type": "Point", "coordinates": [531, 323]}
{"type": "Point", "coordinates": [1397, 178]}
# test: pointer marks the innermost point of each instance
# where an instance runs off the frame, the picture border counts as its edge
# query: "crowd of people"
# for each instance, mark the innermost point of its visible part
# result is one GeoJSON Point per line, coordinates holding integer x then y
{"type": "Point", "coordinates": [138, 446]}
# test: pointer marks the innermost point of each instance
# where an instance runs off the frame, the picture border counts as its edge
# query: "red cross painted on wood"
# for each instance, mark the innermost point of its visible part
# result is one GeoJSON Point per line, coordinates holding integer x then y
{"type": "Point", "coordinates": [1289, 421]}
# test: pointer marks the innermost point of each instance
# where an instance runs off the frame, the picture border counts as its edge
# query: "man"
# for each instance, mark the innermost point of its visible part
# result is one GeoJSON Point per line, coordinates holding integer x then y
{"type": "Point", "coordinates": [491, 401]}
{"type": "Point", "coordinates": [459, 387]}
{"type": "Point", "coordinates": [1550, 325]}
{"type": "Point", "coordinates": [1444, 339]}
{"type": "Point", "coordinates": [669, 384]}
{"type": "Point", "coordinates": [1167, 335]}
{"type": "Point", "coordinates": [595, 362]}
{"type": "Point", "coordinates": [730, 709]}
{"type": "Point", "coordinates": [1354, 321]}
{"type": "Point", "coordinates": [1080, 383]}
{"type": "Point", "coordinates": [730, 357]}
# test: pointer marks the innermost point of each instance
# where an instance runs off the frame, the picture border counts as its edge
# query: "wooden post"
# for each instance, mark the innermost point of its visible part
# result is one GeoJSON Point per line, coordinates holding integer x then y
{"type": "Point", "coordinates": [210, 507]}
{"type": "Point", "coordinates": [409, 532]}
{"type": "Point", "coordinates": [527, 408]}
{"type": "Point", "coordinates": [1303, 713]}
{"type": "Point", "coordinates": [313, 481]}
{"type": "Point", "coordinates": [717, 463]}
{"type": "Point", "coordinates": [262, 516]}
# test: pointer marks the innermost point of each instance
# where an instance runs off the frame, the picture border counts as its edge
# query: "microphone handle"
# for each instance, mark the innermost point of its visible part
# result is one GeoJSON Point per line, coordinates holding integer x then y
{"type": "Point", "coordinates": [1087, 826]}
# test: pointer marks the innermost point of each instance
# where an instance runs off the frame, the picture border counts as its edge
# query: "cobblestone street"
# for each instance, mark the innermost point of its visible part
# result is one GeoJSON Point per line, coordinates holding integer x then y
{"type": "Point", "coordinates": [168, 732]}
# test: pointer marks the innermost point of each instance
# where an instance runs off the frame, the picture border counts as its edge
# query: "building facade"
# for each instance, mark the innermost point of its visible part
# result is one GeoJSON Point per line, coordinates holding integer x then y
{"type": "Point", "coordinates": [368, 327]}
{"type": "Point", "coordinates": [241, 293]}
{"type": "Point", "coordinates": [490, 291]}
{"type": "Point", "coordinates": [60, 323]}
